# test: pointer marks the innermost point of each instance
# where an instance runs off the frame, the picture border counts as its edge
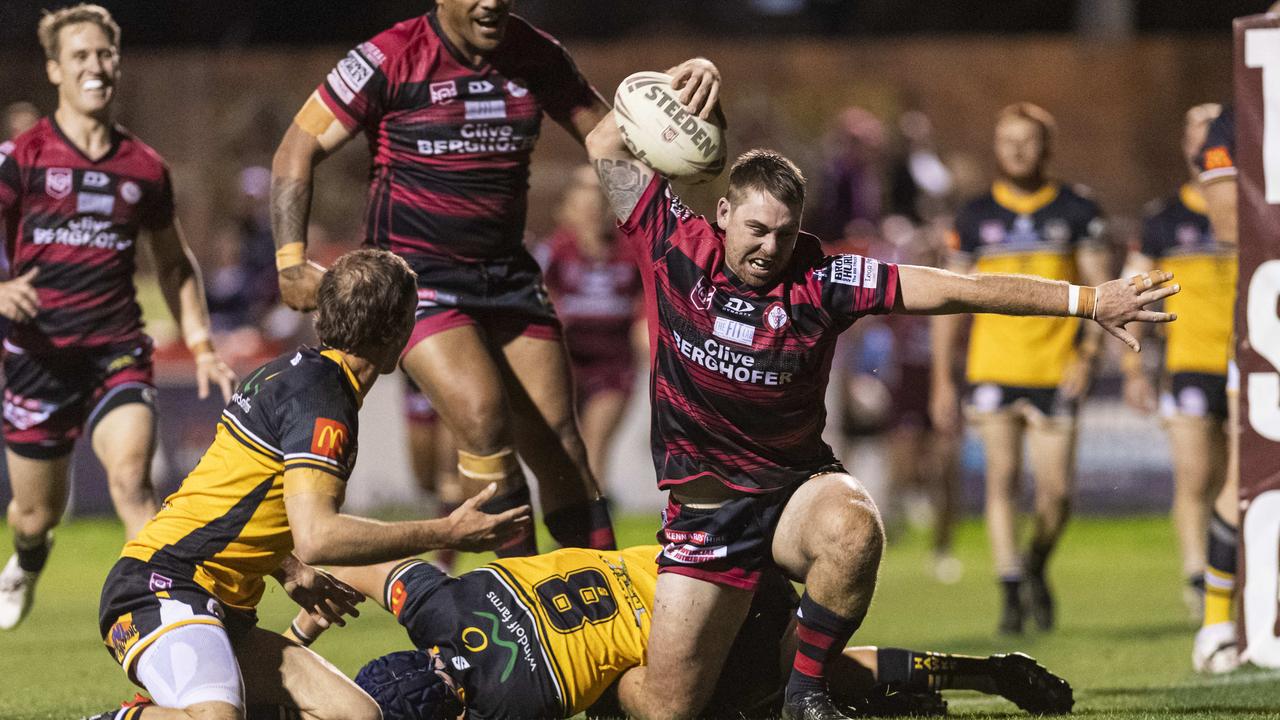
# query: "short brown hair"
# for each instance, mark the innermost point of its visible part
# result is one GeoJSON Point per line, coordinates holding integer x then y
{"type": "Point", "coordinates": [53, 21]}
{"type": "Point", "coordinates": [364, 301]}
{"type": "Point", "coordinates": [767, 171]}
{"type": "Point", "coordinates": [1032, 113]}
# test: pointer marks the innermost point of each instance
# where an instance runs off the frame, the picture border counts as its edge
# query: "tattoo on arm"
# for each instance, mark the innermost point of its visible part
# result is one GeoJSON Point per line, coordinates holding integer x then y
{"type": "Point", "coordinates": [290, 208]}
{"type": "Point", "coordinates": [624, 182]}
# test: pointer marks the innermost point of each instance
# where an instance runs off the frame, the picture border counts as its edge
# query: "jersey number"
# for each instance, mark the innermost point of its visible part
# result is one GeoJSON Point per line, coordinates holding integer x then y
{"type": "Point", "coordinates": [580, 597]}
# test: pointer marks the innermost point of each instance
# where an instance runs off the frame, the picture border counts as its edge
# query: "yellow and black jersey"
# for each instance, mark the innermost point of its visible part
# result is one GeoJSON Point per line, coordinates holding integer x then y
{"type": "Point", "coordinates": [1176, 234]}
{"type": "Point", "coordinates": [1038, 234]}
{"type": "Point", "coordinates": [540, 636]}
{"type": "Point", "coordinates": [225, 527]}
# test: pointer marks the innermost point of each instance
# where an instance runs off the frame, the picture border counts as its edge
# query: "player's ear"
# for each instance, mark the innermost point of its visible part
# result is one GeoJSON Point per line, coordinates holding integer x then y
{"type": "Point", "coordinates": [54, 71]}
{"type": "Point", "coordinates": [722, 212]}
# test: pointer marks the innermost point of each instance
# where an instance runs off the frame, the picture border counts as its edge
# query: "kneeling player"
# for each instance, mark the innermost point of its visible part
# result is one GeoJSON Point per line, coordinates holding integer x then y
{"type": "Point", "coordinates": [550, 635]}
{"type": "Point", "coordinates": [178, 609]}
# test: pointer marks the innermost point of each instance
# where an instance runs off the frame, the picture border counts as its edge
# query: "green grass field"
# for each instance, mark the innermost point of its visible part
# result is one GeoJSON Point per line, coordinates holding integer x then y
{"type": "Point", "coordinates": [1124, 638]}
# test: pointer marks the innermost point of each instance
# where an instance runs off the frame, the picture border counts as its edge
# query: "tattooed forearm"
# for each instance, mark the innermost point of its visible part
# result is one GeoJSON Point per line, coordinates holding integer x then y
{"type": "Point", "coordinates": [624, 182]}
{"type": "Point", "coordinates": [290, 208]}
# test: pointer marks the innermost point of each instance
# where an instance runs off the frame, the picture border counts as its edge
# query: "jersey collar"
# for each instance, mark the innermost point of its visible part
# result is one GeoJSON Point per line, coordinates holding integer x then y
{"type": "Point", "coordinates": [1018, 202]}
{"type": "Point", "coordinates": [454, 52]}
{"type": "Point", "coordinates": [1191, 196]}
{"type": "Point", "coordinates": [336, 356]}
{"type": "Point", "coordinates": [111, 151]}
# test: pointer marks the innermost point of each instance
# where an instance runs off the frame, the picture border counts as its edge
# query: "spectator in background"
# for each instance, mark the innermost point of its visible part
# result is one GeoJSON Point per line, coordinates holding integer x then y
{"type": "Point", "coordinates": [19, 117]}
{"type": "Point", "coordinates": [257, 249]}
{"type": "Point", "coordinates": [596, 288]}
{"type": "Point", "coordinates": [850, 204]}
{"type": "Point", "coordinates": [920, 183]}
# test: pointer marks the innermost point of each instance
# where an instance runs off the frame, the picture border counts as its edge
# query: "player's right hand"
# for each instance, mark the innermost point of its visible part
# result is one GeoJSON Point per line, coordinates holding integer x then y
{"type": "Point", "coordinates": [1122, 301]}
{"type": "Point", "coordinates": [18, 298]}
{"type": "Point", "coordinates": [698, 80]}
{"type": "Point", "coordinates": [944, 408]}
{"type": "Point", "coordinates": [298, 285]}
{"type": "Point", "coordinates": [472, 530]}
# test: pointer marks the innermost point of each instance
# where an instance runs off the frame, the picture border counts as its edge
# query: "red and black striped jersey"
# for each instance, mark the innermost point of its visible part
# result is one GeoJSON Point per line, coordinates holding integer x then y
{"type": "Point", "coordinates": [740, 373]}
{"type": "Point", "coordinates": [596, 298]}
{"type": "Point", "coordinates": [77, 221]}
{"type": "Point", "coordinates": [451, 141]}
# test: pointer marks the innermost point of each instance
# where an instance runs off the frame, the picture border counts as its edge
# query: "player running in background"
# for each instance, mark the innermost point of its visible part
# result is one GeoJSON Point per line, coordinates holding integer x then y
{"type": "Point", "coordinates": [1028, 373]}
{"type": "Point", "coordinates": [77, 191]}
{"type": "Point", "coordinates": [548, 636]}
{"type": "Point", "coordinates": [1215, 648]}
{"type": "Point", "coordinates": [451, 103]}
{"type": "Point", "coordinates": [1176, 234]}
{"type": "Point", "coordinates": [596, 288]}
{"type": "Point", "coordinates": [743, 319]}
{"type": "Point", "coordinates": [178, 609]}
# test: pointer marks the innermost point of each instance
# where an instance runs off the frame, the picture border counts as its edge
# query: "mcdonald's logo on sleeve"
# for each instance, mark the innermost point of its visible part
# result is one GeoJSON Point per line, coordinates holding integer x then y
{"type": "Point", "coordinates": [329, 438]}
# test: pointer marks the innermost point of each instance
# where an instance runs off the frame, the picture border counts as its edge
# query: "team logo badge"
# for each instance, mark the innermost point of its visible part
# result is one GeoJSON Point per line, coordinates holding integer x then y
{"type": "Point", "coordinates": [329, 438]}
{"type": "Point", "coordinates": [444, 91]}
{"type": "Point", "coordinates": [130, 191]}
{"type": "Point", "coordinates": [702, 293]}
{"type": "Point", "coordinates": [517, 88]}
{"type": "Point", "coordinates": [159, 583]}
{"type": "Point", "coordinates": [775, 317]}
{"type": "Point", "coordinates": [57, 182]}
{"type": "Point", "coordinates": [122, 636]}
{"type": "Point", "coordinates": [669, 134]}
{"type": "Point", "coordinates": [738, 306]}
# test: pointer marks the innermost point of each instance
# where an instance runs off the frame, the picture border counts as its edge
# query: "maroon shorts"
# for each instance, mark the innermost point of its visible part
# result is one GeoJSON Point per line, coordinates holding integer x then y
{"type": "Point", "coordinates": [601, 376]}
{"type": "Point", "coordinates": [505, 298]}
{"type": "Point", "coordinates": [50, 398]}
{"type": "Point", "coordinates": [731, 544]}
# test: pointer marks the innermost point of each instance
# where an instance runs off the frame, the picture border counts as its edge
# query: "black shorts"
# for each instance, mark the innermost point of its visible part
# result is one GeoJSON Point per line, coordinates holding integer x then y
{"type": "Point", "coordinates": [990, 397]}
{"type": "Point", "coordinates": [49, 399]}
{"type": "Point", "coordinates": [731, 544]}
{"type": "Point", "coordinates": [507, 298]}
{"type": "Point", "coordinates": [141, 601]}
{"type": "Point", "coordinates": [1197, 395]}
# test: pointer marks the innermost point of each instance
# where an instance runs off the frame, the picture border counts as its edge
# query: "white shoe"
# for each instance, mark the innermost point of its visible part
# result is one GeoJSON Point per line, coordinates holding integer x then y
{"type": "Point", "coordinates": [17, 592]}
{"type": "Point", "coordinates": [1215, 651]}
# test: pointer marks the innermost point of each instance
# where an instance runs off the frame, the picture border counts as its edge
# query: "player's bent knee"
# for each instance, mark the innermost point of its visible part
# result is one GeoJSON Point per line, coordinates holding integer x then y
{"type": "Point", "coordinates": [481, 469]}
{"type": "Point", "coordinates": [193, 667]}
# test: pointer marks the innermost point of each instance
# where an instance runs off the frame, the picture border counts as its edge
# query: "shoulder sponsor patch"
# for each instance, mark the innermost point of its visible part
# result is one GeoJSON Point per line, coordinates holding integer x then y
{"type": "Point", "coordinates": [373, 53]}
{"type": "Point", "coordinates": [339, 87]}
{"type": "Point", "coordinates": [355, 70]}
{"type": "Point", "coordinates": [329, 438]}
{"type": "Point", "coordinates": [847, 270]}
{"type": "Point", "coordinates": [870, 273]}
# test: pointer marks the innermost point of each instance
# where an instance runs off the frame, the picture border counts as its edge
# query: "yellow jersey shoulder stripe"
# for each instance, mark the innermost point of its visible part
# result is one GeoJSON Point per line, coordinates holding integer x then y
{"type": "Point", "coordinates": [1020, 203]}
{"type": "Point", "coordinates": [241, 430]}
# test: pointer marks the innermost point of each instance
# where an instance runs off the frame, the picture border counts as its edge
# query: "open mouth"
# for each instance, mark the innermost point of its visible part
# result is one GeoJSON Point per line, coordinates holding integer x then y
{"type": "Point", "coordinates": [94, 85]}
{"type": "Point", "coordinates": [491, 23]}
{"type": "Point", "coordinates": [760, 267]}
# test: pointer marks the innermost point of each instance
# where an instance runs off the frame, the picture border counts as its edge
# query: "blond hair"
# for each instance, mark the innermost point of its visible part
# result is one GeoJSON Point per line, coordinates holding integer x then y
{"type": "Point", "coordinates": [1035, 114]}
{"type": "Point", "coordinates": [53, 21]}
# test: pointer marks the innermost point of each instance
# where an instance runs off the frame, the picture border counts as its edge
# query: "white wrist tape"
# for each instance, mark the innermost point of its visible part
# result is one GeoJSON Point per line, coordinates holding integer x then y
{"type": "Point", "coordinates": [1073, 299]}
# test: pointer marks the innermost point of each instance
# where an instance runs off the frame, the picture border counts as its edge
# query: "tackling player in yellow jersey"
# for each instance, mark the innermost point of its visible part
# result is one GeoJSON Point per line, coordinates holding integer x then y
{"type": "Point", "coordinates": [1027, 373]}
{"type": "Point", "coordinates": [1177, 234]}
{"type": "Point", "coordinates": [548, 636]}
{"type": "Point", "coordinates": [178, 609]}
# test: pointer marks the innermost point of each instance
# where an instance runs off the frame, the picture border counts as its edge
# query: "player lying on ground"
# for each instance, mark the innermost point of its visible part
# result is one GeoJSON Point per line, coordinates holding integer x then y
{"type": "Point", "coordinates": [549, 635]}
{"type": "Point", "coordinates": [743, 316]}
{"type": "Point", "coordinates": [178, 609]}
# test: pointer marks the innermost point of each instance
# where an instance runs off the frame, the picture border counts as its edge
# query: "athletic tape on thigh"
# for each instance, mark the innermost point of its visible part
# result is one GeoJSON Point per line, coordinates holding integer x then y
{"type": "Point", "coordinates": [489, 468]}
{"type": "Point", "coordinates": [191, 664]}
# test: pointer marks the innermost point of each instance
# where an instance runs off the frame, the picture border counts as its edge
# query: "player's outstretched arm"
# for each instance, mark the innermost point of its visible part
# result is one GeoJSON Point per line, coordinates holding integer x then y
{"type": "Point", "coordinates": [312, 136]}
{"type": "Point", "coordinates": [930, 291]}
{"type": "Point", "coordinates": [324, 536]}
{"type": "Point", "coordinates": [183, 290]}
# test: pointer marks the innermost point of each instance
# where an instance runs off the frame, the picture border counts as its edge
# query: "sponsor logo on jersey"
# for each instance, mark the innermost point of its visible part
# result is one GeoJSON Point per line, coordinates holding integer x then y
{"type": "Point", "coordinates": [94, 179]}
{"type": "Point", "coordinates": [95, 203]}
{"type": "Point", "coordinates": [122, 636]}
{"type": "Point", "coordinates": [775, 316]}
{"type": "Point", "coordinates": [82, 232]}
{"type": "Point", "coordinates": [678, 208]}
{"type": "Point", "coordinates": [130, 191]}
{"type": "Point", "coordinates": [396, 597]}
{"type": "Point", "coordinates": [371, 51]}
{"type": "Point", "coordinates": [479, 87]}
{"type": "Point", "coordinates": [443, 91]}
{"type": "Point", "coordinates": [329, 438]}
{"type": "Point", "coordinates": [486, 109]}
{"type": "Point", "coordinates": [1217, 157]}
{"type": "Point", "coordinates": [57, 182]}
{"type": "Point", "coordinates": [355, 71]}
{"type": "Point", "coordinates": [460, 663]}
{"type": "Point", "coordinates": [339, 87]}
{"type": "Point", "coordinates": [870, 273]}
{"type": "Point", "coordinates": [480, 137]}
{"type": "Point", "coordinates": [847, 270]}
{"type": "Point", "coordinates": [991, 231]}
{"type": "Point", "coordinates": [738, 306]}
{"type": "Point", "coordinates": [25, 413]}
{"type": "Point", "coordinates": [430, 297]}
{"type": "Point", "coordinates": [517, 88]}
{"type": "Point", "coordinates": [737, 365]}
{"type": "Point", "coordinates": [159, 582]}
{"type": "Point", "coordinates": [734, 331]}
{"type": "Point", "coordinates": [692, 555]}
{"type": "Point", "coordinates": [703, 293]}
{"type": "Point", "coordinates": [512, 622]}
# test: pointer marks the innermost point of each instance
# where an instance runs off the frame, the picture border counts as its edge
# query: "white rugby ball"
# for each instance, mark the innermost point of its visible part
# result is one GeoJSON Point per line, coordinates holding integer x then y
{"type": "Point", "coordinates": [661, 133]}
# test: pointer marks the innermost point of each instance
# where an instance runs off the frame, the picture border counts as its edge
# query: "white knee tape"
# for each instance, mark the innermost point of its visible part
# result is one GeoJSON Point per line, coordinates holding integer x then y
{"type": "Point", "coordinates": [189, 665]}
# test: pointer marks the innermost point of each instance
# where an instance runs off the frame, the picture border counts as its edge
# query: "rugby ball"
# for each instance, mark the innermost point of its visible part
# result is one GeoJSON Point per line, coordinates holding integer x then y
{"type": "Point", "coordinates": [662, 134]}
